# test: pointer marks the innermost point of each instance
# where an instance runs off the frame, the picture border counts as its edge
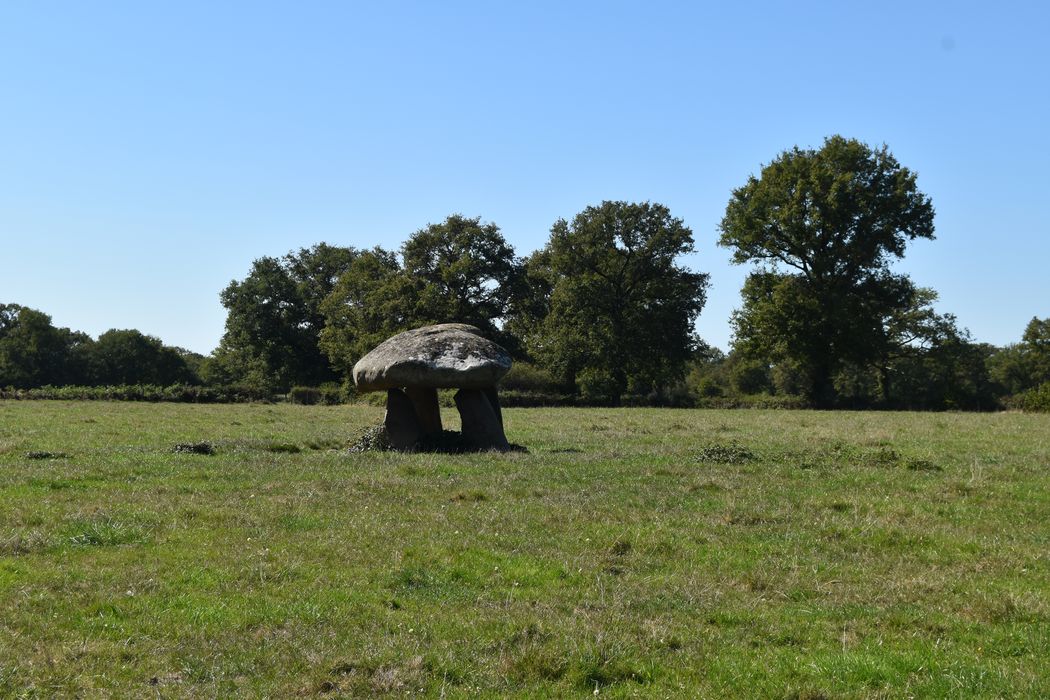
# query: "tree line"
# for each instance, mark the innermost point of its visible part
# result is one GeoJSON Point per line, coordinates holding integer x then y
{"type": "Point", "coordinates": [605, 312]}
{"type": "Point", "coordinates": [34, 353]}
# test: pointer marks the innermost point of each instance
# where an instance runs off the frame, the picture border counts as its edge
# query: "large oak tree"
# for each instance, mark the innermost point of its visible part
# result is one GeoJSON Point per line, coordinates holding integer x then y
{"type": "Point", "coordinates": [461, 270]}
{"type": "Point", "coordinates": [823, 227]}
{"type": "Point", "coordinates": [613, 309]}
{"type": "Point", "coordinates": [274, 319]}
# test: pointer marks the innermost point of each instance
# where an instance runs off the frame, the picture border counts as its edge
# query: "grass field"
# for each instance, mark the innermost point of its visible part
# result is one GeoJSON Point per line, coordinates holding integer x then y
{"type": "Point", "coordinates": [637, 552]}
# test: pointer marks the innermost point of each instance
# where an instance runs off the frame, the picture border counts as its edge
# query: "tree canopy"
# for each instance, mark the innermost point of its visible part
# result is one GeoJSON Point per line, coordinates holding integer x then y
{"type": "Point", "coordinates": [607, 308]}
{"type": "Point", "coordinates": [35, 353]}
{"type": "Point", "coordinates": [461, 270]}
{"type": "Point", "coordinates": [131, 357]}
{"type": "Point", "coordinates": [274, 319]}
{"type": "Point", "coordinates": [619, 309]}
{"type": "Point", "coordinates": [823, 227]}
{"type": "Point", "coordinates": [464, 271]}
{"type": "Point", "coordinates": [372, 301]}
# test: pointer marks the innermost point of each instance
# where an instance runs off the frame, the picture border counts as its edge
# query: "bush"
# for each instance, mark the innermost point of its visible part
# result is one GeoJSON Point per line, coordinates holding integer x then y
{"type": "Point", "coordinates": [674, 396]}
{"type": "Point", "coordinates": [1037, 400]}
{"type": "Point", "coordinates": [527, 377]}
{"type": "Point", "coordinates": [535, 399]}
{"type": "Point", "coordinates": [750, 377]}
{"type": "Point", "coordinates": [305, 395]}
{"type": "Point", "coordinates": [597, 386]}
{"type": "Point", "coordinates": [178, 393]}
{"type": "Point", "coordinates": [778, 401]}
{"type": "Point", "coordinates": [332, 394]}
{"type": "Point", "coordinates": [329, 394]}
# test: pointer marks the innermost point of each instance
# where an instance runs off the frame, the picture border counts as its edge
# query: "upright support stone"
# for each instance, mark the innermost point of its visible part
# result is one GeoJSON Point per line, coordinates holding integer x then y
{"type": "Point", "coordinates": [481, 426]}
{"type": "Point", "coordinates": [493, 396]}
{"type": "Point", "coordinates": [425, 402]}
{"type": "Point", "coordinates": [403, 427]}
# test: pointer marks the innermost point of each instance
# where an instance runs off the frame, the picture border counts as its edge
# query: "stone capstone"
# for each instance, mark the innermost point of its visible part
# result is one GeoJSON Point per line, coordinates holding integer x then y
{"type": "Point", "coordinates": [445, 356]}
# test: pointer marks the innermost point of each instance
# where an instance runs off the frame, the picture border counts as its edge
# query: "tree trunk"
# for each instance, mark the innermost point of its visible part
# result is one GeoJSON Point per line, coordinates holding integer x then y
{"type": "Point", "coordinates": [822, 388]}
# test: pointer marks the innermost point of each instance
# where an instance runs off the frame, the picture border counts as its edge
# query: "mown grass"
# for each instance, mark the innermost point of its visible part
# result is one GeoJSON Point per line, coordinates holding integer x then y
{"type": "Point", "coordinates": [633, 552]}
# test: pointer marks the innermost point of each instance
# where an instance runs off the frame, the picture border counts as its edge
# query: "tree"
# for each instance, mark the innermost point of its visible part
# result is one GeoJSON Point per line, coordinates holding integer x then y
{"type": "Point", "coordinates": [610, 308]}
{"type": "Point", "coordinates": [274, 320]}
{"type": "Point", "coordinates": [372, 301]}
{"type": "Point", "coordinates": [461, 270]}
{"type": "Point", "coordinates": [951, 374]}
{"type": "Point", "coordinates": [1022, 366]}
{"type": "Point", "coordinates": [131, 357]}
{"type": "Point", "coordinates": [823, 226]}
{"type": "Point", "coordinates": [34, 353]}
{"type": "Point", "coordinates": [464, 271]}
{"type": "Point", "coordinates": [707, 377]}
{"type": "Point", "coordinates": [1035, 345]}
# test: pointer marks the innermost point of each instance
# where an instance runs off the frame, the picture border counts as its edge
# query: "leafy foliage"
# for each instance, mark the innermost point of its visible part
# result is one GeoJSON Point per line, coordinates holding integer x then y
{"type": "Point", "coordinates": [823, 226]}
{"type": "Point", "coordinates": [461, 270]}
{"type": "Point", "coordinates": [615, 310]}
{"type": "Point", "coordinates": [1037, 400]}
{"type": "Point", "coordinates": [274, 319]}
{"type": "Point", "coordinates": [371, 301]}
{"type": "Point", "coordinates": [1025, 365]}
{"type": "Point", "coordinates": [176, 393]}
{"type": "Point", "coordinates": [130, 357]}
{"type": "Point", "coordinates": [33, 352]}
{"type": "Point", "coordinates": [464, 272]}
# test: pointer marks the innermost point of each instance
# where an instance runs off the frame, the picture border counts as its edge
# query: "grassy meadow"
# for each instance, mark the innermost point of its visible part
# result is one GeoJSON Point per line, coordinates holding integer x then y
{"type": "Point", "coordinates": [633, 552]}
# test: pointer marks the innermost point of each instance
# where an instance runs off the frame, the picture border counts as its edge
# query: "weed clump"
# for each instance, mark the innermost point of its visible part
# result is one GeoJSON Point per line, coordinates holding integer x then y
{"type": "Point", "coordinates": [46, 455]}
{"type": "Point", "coordinates": [726, 453]}
{"type": "Point", "coordinates": [921, 465]}
{"type": "Point", "coordinates": [472, 497]}
{"type": "Point", "coordinates": [283, 447]}
{"type": "Point", "coordinates": [104, 532]}
{"type": "Point", "coordinates": [17, 543]}
{"type": "Point", "coordinates": [883, 457]}
{"type": "Point", "coordinates": [194, 448]}
{"type": "Point", "coordinates": [375, 439]}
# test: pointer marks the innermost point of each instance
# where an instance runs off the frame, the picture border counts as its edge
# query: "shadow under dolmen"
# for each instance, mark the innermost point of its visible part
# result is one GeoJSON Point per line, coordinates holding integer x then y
{"type": "Point", "coordinates": [413, 365]}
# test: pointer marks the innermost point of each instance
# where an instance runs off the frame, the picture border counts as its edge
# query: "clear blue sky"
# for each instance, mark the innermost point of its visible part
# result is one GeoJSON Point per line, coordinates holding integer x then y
{"type": "Point", "coordinates": [150, 151]}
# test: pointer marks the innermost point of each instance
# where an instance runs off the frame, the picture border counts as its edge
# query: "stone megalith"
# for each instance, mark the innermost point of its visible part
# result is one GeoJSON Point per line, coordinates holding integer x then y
{"type": "Point", "coordinates": [413, 365]}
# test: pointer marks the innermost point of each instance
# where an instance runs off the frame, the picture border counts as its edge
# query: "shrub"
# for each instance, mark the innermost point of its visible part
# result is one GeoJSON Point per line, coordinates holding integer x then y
{"type": "Point", "coordinates": [332, 394]}
{"type": "Point", "coordinates": [194, 448]}
{"type": "Point", "coordinates": [528, 377]}
{"type": "Point", "coordinates": [535, 399]}
{"type": "Point", "coordinates": [1037, 400]}
{"type": "Point", "coordinates": [674, 396]}
{"type": "Point", "coordinates": [755, 401]}
{"type": "Point", "coordinates": [181, 393]}
{"type": "Point", "coordinates": [305, 395]}
{"type": "Point", "coordinates": [597, 386]}
{"type": "Point", "coordinates": [730, 453]}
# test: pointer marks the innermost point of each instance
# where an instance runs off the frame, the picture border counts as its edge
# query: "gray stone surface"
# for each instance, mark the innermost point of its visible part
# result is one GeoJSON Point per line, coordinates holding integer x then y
{"type": "Point", "coordinates": [481, 424]}
{"type": "Point", "coordinates": [493, 396]}
{"type": "Point", "coordinates": [425, 402]}
{"type": "Point", "coordinates": [445, 356]}
{"type": "Point", "coordinates": [402, 425]}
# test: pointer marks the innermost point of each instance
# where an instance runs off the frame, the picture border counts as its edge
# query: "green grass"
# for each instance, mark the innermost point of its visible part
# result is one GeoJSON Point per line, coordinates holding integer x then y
{"type": "Point", "coordinates": [640, 552]}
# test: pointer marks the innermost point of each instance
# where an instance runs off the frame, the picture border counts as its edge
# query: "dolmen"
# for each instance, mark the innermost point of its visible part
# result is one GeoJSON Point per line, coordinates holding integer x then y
{"type": "Point", "coordinates": [413, 365]}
